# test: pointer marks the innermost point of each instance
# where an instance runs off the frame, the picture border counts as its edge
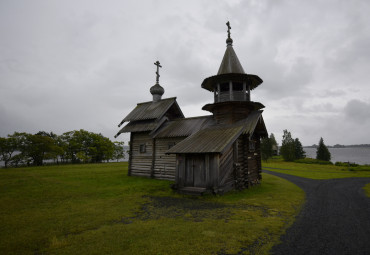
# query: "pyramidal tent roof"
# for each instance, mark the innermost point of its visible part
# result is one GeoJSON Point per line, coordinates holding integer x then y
{"type": "Point", "coordinates": [230, 62]}
{"type": "Point", "coordinates": [231, 70]}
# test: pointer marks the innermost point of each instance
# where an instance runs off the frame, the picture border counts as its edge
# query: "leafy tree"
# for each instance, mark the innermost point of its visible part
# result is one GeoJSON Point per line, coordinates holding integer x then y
{"type": "Point", "coordinates": [274, 144]}
{"type": "Point", "coordinates": [299, 152]}
{"type": "Point", "coordinates": [17, 160]}
{"type": "Point", "coordinates": [61, 148]}
{"type": "Point", "coordinates": [38, 147]}
{"type": "Point", "coordinates": [81, 155]}
{"type": "Point", "coordinates": [54, 149]}
{"type": "Point", "coordinates": [266, 148]}
{"type": "Point", "coordinates": [103, 148]}
{"type": "Point", "coordinates": [119, 151]}
{"type": "Point", "coordinates": [89, 146]}
{"type": "Point", "coordinates": [76, 146]}
{"type": "Point", "coordinates": [7, 147]}
{"type": "Point", "coordinates": [287, 149]}
{"type": "Point", "coordinates": [322, 152]}
{"type": "Point", "coordinates": [20, 143]}
{"type": "Point", "coordinates": [70, 146]}
{"type": "Point", "coordinates": [273, 140]}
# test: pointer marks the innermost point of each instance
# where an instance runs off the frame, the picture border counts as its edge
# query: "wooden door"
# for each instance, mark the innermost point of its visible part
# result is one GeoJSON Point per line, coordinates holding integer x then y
{"type": "Point", "coordinates": [195, 172]}
{"type": "Point", "coordinates": [189, 178]}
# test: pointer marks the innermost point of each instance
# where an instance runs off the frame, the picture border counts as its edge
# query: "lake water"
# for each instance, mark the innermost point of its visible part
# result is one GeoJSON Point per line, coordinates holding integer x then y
{"type": "Point", "coordinates": [359, 155]}
{"type": "Point", "coordinates": [356, 155]}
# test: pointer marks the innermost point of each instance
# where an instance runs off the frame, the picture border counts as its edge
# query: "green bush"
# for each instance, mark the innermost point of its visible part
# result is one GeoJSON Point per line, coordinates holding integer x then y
{"type": "Point", "coordinates": [360, 168]}
{"type": "Point", "coordinates": [313, 161]}
{"type": "Point", "coordinates": [346, 164]}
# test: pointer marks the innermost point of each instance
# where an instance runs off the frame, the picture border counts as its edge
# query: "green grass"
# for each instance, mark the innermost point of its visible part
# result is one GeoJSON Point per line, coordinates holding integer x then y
{"type": "Point", "coordinates": [318, 171]}
{"type": "Point", "coordinates": [315, 171]}
{"type": "Point", "coordinates": [367, 189]}
{"type": "Point", "coordinates": [98, 209]}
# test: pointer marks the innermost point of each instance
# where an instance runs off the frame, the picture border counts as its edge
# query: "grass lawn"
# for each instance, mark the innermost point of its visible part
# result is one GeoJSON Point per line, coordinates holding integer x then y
{"type": "Point", "coordinates": [315, 171]}
{"type": "Point", "coordinates": [367, 189]}
{"type": "Point", "coordinates": [98, 209]}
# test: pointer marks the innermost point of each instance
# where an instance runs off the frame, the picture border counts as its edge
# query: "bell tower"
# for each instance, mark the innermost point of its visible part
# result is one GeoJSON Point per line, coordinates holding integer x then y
{"type": "Point", "coordinates": [231, 88]}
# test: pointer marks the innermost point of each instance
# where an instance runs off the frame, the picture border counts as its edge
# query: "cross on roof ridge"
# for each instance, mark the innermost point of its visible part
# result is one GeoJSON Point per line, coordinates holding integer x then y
{"type": "Point", "coordinates": [228, 29]}
{"type": "Point", "coordinates": [157, 73]}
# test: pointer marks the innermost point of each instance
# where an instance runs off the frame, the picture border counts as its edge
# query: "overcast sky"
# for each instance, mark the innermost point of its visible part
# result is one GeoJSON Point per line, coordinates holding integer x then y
{"type": "Point", "coordinates": [69, 65]}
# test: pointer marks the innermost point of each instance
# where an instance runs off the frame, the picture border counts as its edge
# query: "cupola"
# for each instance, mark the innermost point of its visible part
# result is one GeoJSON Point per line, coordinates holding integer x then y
{"type": "Point", "coordinates": [157, 90]}
{"type": "Point", "coordinates": [231, 82]}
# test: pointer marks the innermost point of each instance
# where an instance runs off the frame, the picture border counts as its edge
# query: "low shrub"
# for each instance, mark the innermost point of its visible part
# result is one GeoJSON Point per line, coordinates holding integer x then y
{"type": "Point", "coordinates": [361, 168]}
{"type": "Point", "coordinates": [346, 164]}
{"type": "Point", "coordinates": [313, 161]}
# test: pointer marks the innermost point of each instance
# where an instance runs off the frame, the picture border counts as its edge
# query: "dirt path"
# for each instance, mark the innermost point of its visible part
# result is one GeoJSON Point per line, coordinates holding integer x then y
{"type": "Point", "coordinates": [334, 220]}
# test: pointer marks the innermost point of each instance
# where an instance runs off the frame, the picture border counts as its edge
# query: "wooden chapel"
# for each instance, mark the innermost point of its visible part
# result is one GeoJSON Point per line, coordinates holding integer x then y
{"type": "Point", "coordinates": [205, 154]}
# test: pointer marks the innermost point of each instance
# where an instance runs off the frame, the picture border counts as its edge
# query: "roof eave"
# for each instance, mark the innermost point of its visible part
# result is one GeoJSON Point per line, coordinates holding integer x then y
{"type": "Point", "coordinates": [210, 82]}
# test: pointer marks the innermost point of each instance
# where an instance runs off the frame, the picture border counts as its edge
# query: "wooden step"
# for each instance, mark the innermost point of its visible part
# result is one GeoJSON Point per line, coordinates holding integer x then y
{"type": "Point", "coordinates": [192, 190]}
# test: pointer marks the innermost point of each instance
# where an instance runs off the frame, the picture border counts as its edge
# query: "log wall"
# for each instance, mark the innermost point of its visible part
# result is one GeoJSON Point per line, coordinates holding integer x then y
{"type": "Point", "coordinates": [141, 163]}
{"type": "Point", "coordinates": [226, 167]}
{"type": "Point", "coordinates": [241, 172]}
{"type": "Point", "coordinates": [230, 113]}
{"type": "Point", "coordinates": [249, 169]}
{"type": "Point", "coordinates": [254, 163]}
{"type": "Point", "coordinates": [165, 165]}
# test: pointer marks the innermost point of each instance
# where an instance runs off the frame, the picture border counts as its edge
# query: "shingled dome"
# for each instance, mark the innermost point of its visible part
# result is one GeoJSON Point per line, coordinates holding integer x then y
{"type": "Point", "coordinates": [157, 90]}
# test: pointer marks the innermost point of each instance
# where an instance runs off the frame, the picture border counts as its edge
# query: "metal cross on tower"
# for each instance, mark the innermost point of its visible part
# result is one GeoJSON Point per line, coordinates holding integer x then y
{"type": "Point", "coordinates": [157, 73]}
{"type": "Point", "coordinates": [228, 28]}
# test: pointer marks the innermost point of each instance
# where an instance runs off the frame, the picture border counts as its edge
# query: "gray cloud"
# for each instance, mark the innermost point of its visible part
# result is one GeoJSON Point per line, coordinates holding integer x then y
{"type": "Point", "coordinates": [85, 64]}
{"type": "Point", "coordinates": [357, 111]}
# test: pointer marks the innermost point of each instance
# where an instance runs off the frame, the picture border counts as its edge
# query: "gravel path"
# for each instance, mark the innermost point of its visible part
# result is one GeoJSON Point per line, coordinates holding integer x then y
{"type": "Point", "coordinates": [335, 218]}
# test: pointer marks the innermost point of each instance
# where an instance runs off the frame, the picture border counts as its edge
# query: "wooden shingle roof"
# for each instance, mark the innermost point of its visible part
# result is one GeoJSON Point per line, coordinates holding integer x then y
{"type": "Point", "coordinates": [152, 110]}
{"type": "Point", "coordinates": [230, 62]}
{"type": "Point", "coordinates": [141, 126]}
{"type": "Point", "coordinates": [231, 70]}
{"type": "Point", "coordinates": [184, 127]}
{"type": "Point", "coordinates": [216, 139]}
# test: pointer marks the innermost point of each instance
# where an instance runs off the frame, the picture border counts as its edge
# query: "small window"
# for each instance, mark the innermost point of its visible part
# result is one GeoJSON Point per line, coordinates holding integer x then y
{"type": "Point", "coordinates": [252, 145]}
{"type": "Point", "coordinates": [142, 148]}
{"type": "Point", "coordinates": [171, 144]}
{"type": "Point", "coordinates": [237, 86]}
{"type": "Point", "coordinates": [224, 87]}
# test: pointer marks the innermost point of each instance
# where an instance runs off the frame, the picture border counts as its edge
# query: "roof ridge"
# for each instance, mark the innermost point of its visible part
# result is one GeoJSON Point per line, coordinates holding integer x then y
{"type": "Point", "coordinates": [196, 117]}
{"type": "Point", "coordinates": [165, 99]}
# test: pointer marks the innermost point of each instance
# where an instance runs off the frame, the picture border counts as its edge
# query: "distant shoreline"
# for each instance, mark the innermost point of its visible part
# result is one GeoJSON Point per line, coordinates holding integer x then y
{"type": "Point", "coordinates": [341, 146]}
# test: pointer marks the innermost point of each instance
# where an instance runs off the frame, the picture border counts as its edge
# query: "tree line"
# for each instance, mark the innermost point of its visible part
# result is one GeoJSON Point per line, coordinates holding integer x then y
{"type": "Point", "coordinates": [78, 146]}
{"type": "Point", "coordinates": [291, 149]}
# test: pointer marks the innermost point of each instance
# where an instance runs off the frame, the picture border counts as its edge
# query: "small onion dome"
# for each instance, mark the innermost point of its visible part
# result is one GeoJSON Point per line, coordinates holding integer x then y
{"type": "Point", "coordinates": [157, 90]}
{"type": "Point", "coordinates": [229, 41]}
